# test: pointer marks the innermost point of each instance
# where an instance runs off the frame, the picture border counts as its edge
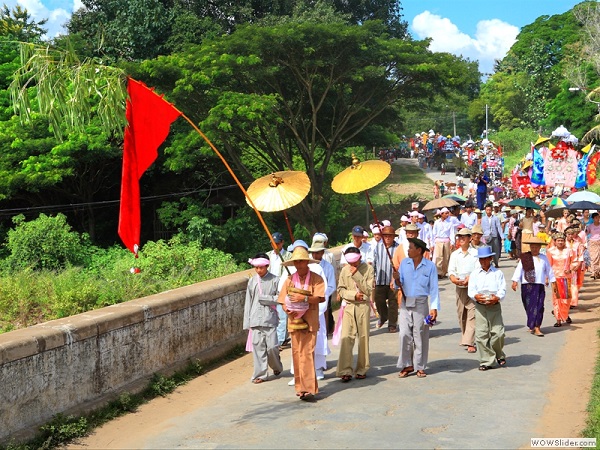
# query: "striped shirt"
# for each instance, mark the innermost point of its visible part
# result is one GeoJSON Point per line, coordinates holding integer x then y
{"type": "Point", "coordinates": [382, 264]}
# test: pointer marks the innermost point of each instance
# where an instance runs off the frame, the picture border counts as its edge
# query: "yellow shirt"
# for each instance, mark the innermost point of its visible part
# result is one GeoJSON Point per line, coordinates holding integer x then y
{"type": "Point", "coordinates": [543, 236]}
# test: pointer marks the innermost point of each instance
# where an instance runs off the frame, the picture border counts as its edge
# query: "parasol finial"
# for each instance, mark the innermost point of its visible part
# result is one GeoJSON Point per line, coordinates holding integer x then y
{"type": "Point", "coordinates": [275, 181]}
{"type": "Point", "coordinates": [355, 162]}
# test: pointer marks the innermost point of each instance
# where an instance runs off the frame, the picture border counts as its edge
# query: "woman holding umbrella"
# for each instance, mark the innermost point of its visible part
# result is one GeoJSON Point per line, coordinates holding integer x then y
{"type": "Point", "coordinates": [562, 260]}
{"type": "Point", "coordinates": [593, 232]}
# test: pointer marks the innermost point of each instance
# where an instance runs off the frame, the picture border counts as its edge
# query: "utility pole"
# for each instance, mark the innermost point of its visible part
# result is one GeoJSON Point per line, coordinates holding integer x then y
{"type": "Point", "coordinates": [454, 122]}
{"type": "Point", "coordinates": [486, 121]}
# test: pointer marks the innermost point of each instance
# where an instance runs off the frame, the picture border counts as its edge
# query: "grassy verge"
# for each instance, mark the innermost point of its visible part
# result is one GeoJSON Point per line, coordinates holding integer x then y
{"type": "Point", "coordinates": [64, 429]}
{"type": "Point", "coordinates": [592, 429]}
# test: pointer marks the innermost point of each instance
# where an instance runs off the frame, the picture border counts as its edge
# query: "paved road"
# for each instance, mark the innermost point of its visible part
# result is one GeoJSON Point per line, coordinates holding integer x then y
{"type": "Point", "coordinates": [456, 406]}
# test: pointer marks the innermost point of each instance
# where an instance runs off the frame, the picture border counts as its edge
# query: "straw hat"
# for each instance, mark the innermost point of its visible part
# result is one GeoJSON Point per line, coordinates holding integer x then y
{"type": "Point", "coordinates": [299, 254]}
{"type": "Point", "coordinates": [533, 240]}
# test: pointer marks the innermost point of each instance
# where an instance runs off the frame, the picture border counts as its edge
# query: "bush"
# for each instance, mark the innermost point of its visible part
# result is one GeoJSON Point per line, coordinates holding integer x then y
{"type": "Point", "coordinates": [45, 243]}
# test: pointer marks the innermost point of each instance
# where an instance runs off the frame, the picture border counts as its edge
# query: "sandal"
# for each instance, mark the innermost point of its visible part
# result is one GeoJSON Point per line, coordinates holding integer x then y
{"type": "Point", "coordinates": [471, 349]}
{"type": "Point", "coordinates": [276, 373]}
{"type": "Point", "coordinates": [558, 324]}
{"type": "Point", "coordinates": [569, 320]}
{"type": "Point", "coordinates": [346, 378]}
{"type": "Point", "coordinates": [393, 329]}
{"type": "Point", "coordinates": [258, 381]}
{"type": "Point", "coordinates": [484, 368]}
{"type": "Point", "coordinates": [360, 377]}
{"type": "Point", "coordinates": [421, 374]}
{"type": "Point", "coordinates": [406, 371]}
{"type": "Point", "coordinates": [306, 396]}
{"type": "Point", "coordinates": [501, 362]}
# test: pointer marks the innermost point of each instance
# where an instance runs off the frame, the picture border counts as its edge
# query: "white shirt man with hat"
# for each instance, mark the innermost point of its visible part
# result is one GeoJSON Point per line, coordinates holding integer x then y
{"type": "Point", "coordinates": [463, 261]}
{"type": "Point", "coordinates": [443, 235]}
{"type": "Point", "coordinates": [487, 287]}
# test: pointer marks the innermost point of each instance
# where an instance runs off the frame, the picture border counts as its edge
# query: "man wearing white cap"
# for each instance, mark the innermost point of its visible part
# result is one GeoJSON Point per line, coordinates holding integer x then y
{"type": "Point", "coordinates": [487, 287]}
{"type": "Point", "coordinates": [400, 232]}
{"type": "Point", "coordinates": [425, 232]}
{"type": "Point", "coordinates": [443, 235]}
{"type": "Point", "coordinates": [462, 262]}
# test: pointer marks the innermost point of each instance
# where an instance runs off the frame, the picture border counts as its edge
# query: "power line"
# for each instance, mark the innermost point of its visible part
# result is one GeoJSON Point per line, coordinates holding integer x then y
{"type": "Point", "coordinates": [107, 203]}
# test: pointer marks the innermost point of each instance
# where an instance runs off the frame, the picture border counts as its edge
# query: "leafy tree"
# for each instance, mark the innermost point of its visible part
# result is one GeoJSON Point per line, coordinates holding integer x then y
{"type": "Point", "coordinates": [16, 24]}
{"type": "Point", "coordinates": [131, 30]}
{"type": "Point", "coordinates": [534, 63]}
{"type": "Point", "coordinates": [291, 96]}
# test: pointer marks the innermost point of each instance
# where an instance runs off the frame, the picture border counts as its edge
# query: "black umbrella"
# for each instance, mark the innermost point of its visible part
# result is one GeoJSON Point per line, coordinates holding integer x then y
{"type": "Point", "coordinates": [584, 204]}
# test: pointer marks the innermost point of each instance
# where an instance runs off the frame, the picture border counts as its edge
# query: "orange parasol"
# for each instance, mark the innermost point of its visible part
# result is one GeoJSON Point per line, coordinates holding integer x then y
{"type": "Point", "coordinates": [279, 191]}
{"type": "Point", "coordinates": [359, 177]}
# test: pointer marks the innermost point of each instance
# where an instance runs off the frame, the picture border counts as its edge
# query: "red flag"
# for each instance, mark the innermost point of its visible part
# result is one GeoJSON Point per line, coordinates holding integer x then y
{"type": "Point", "coordinates": [149, 118]}
{"type": "Point", "coordinates": [592, 168]}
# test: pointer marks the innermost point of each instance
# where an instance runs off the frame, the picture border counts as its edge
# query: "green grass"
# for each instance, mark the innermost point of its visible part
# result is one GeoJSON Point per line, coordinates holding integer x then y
{"type": "Point", "coordinates": [592, 429]}
{"type": "Point", "coordinates": [62, 429]}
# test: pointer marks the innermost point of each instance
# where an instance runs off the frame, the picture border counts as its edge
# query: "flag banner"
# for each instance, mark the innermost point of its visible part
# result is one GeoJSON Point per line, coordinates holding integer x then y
{"type": "Point", "coordinates": [149, 118]}
{"type": "Point", "coordinates": [592, 168]}
{"type": "Point", "coordinates": [537, 168]}
{"type": "Point", "coordinates": [581, 180]}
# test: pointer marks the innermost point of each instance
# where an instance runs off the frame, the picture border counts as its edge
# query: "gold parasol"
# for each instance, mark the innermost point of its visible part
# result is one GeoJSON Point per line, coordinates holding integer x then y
{"type": "Point", "coordinates": [360, 176]}
{"type": "Point", "coordinates": [278, 192]}
{"type": "Point", "coordinates": [443, 202]}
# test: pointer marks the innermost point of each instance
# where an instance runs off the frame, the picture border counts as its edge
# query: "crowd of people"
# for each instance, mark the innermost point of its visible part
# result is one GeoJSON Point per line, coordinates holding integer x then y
{"type": "Point", "coordinates": [392, 274]}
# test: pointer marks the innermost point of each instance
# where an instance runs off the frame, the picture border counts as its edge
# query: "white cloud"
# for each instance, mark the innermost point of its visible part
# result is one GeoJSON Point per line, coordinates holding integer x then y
{"type": "Point", "coordinates": [492, 40]}
{"type": "Point", "coordinates": [57, 16]}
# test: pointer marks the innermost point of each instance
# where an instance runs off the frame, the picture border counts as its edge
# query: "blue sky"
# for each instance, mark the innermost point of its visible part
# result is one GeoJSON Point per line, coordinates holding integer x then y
{"type": "Point", "coordinates": [481, 30]}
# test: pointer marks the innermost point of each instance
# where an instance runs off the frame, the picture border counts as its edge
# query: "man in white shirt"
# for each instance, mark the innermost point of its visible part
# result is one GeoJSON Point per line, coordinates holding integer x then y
{"type": "Point", "coordinates": [443, 235]}
{"type": "Point", "coordinates": [357, 241]}
{"type": "Point", "coordinates": [425, 232]}
{"type": "Point", "coordinates": [462, 262]}
{"type": "Point", "coordinates": [487, 287]}
{"type": "Point", "coordinates": [469, 218]}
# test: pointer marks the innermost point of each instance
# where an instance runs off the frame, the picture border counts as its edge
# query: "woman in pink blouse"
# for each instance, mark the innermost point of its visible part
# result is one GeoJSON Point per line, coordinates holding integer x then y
{"type": "Point", "coordinates": [562, 260]}
{"type": "Point", "coordinates": [593, 231]}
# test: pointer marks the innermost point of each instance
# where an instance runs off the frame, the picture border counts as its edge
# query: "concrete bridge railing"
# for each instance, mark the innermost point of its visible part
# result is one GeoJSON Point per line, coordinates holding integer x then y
{"type": "Point", "coordinates": [75, 364]}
